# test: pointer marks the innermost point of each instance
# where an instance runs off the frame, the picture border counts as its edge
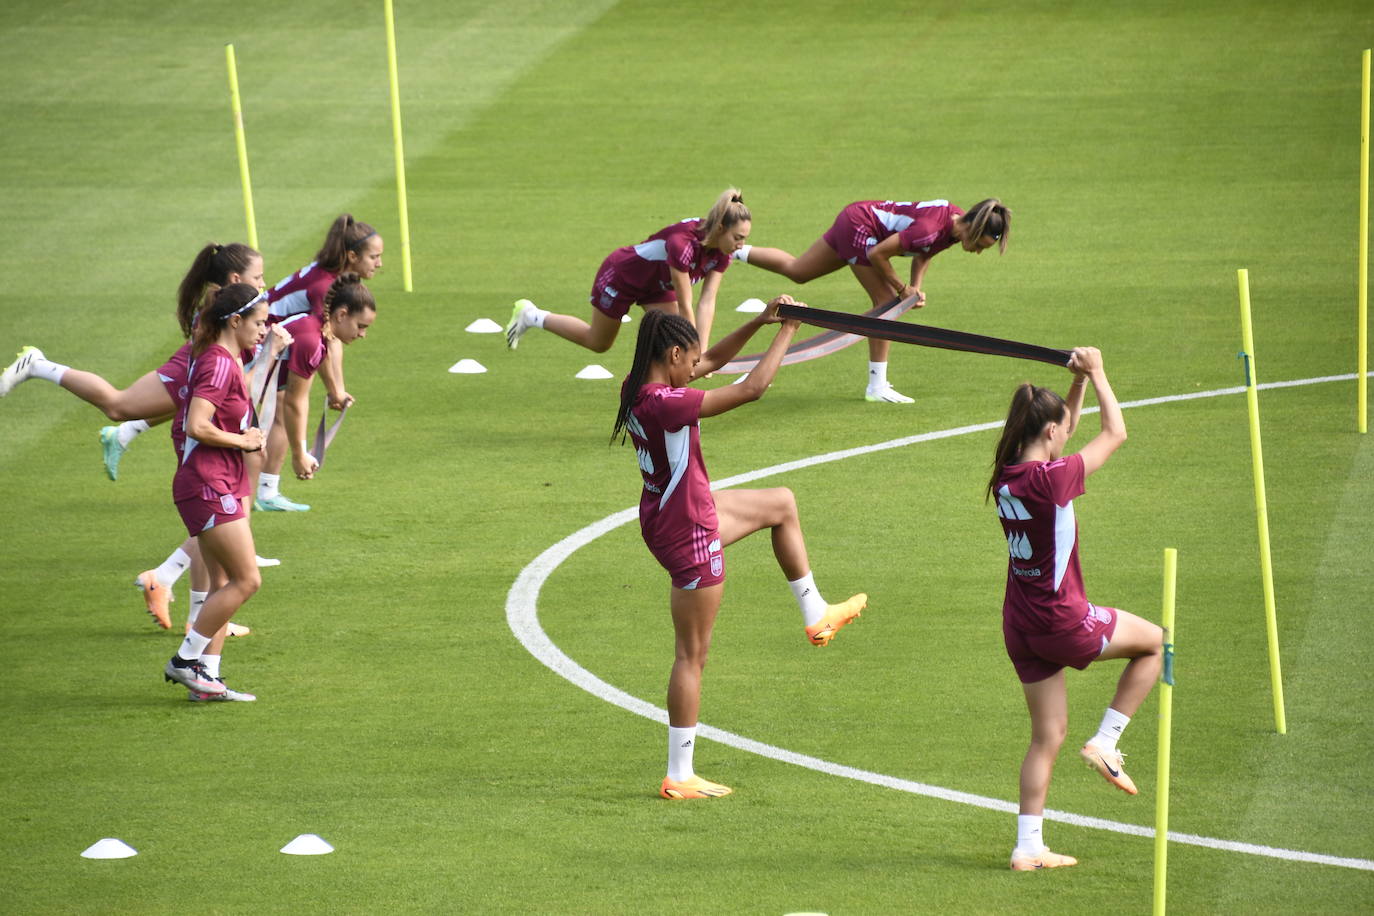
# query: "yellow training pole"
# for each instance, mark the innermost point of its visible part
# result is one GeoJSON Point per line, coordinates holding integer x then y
{"type": "Point", "coordinates": [1261, 505]}
{"type": "Point", "coordinates": [1166, 724]}
{"type": "Point", "coordinates": [1362, 361]}
{"type": "Point", "coordinates": [400, 151]}
{"type": "Point", "coordinates": [242, 145]}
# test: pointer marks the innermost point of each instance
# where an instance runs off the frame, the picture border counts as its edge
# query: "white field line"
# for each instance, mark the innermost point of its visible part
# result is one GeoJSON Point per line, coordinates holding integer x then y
{"type": "Point", "coordinates": [522, 615]}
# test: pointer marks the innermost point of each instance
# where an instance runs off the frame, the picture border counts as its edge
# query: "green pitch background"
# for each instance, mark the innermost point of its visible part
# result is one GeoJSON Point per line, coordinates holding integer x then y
{"type": "Point", "coordinates": [1147, 151]}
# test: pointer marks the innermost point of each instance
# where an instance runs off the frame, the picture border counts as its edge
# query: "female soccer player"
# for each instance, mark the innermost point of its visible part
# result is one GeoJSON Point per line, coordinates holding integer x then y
{"type": "Point", "coordinates": [347, 311]}
{"type": "Point", "coordinates": [867, 235]}
{"type": "Point", "coordinates": [685, 528]}
{"type": "Point", "coordinates": [658, 274]}
{"type": "Point", "coordinates": [151, 399]}
{"type": "Point", "coordinates": [350, 246]}
{"type": "Point", "coordinates": [211, 482]}
{"type": "Point", "coordinates": [1047, 621]}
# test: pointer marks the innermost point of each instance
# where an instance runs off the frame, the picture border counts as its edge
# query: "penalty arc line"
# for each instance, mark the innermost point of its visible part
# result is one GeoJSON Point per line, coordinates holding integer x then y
{"type": "Point", "coordinates": [522, 615]}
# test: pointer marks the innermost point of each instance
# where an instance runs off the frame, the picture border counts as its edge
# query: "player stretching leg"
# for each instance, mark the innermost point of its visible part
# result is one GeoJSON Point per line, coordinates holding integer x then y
{"type": "Point", "coordinates": [1047, 621]}
{"type": "Point", "coordinates": [685, 527]}
{"type": "Point", "coordinates": [867, 235]}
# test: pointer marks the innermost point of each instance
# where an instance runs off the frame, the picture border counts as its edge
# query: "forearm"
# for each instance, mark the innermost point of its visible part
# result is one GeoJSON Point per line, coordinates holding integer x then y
{"type": "Point", "coordinates": [1113, 423]}
{"type": "Point", "coordinates": [728, 347]}
{"type": "Point", "coordinates": [1074, 401]}
{"type": "Point", "coordinates": [296, 411]}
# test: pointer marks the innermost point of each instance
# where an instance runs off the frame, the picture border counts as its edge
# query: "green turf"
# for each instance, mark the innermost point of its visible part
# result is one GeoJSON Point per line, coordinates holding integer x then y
{"type": "Point", "coordinates": [1147, 151]}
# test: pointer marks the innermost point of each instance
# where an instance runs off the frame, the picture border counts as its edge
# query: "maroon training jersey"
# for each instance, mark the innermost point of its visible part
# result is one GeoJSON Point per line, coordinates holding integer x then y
{"type": "Point", "coordinates": [307, 348]}
{"type": "Point", "coordinates": [676, 501]}
{"type": "Point", "coordinates": [925, 227]}
{"type": "Point", "coordinates": [1044, 583]}
{"type": "Point", "coordinates": [642, 270]}
{"type": "Point", "coordinates": [303, 291]}
{"type": "Point", "coordinates": [218, 378]}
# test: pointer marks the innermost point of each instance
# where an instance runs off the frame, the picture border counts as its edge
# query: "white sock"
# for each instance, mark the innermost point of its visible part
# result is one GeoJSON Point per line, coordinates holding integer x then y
{"type": "Point", "coordinates": [743, 253]}
{"type": "Point", "coordinates": [877, 376]}
{"type": "Point", "coordinates": [171, 569]}
{"type": "Point", "coordinates": [681, 743]}
{"type": "Point", "coordinates": [267, 485]}
{"type": "Point", "coordinates": [47, 369]}
{"type": "Point", "coordinates": [197, 602]}
{"type": "Point", "coordinates": [808, 598]}
{"type": "Point", "coordinates": [193, 645]}
{"type": "Point", "coordinates": [211, 663]}
{"type": "Point", "coordinates": [1113, 724]}
{"type": "Point", "coordinates": [127, 430]}
{"type": "Point", "coordinates": [1029, 838]}
{"type": "Point", "coordinates": [537, 315]}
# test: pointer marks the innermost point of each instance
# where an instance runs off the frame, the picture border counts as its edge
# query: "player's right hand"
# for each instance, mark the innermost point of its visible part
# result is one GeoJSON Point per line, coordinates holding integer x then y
{"type": "Point", "coordinates": [304, 464]}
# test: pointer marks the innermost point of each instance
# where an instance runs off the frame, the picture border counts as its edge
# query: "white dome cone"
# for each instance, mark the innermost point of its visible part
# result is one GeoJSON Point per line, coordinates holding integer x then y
{"type": "Point", "coordinates": [484, 326]}
{"type": "Point", "coordinates": [307, 844]}
{"type": "Point", "coordinates": [467, 367]}
{"type": "Point", "coordinates": [625, 319]}
{"type": "Point", "coordinates": [595, 371]}
{"type": "Point", "coordinates": [109, 848]}
{"type": "Point", "coordinates": [751, 305]}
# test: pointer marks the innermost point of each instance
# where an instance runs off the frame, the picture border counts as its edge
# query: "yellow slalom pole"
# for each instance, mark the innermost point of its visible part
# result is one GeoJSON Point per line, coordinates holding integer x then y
{"type": "Point", "coordinates": [1261, 504]}
{"type": "Point", "coordinates": [1362, 361]}
{"type": "Point", "coordinates": [400, 151]}
{"type": "Point", "coordinates": [242, 145]}
{"type": "Point", "coordinates": [1166, 724]}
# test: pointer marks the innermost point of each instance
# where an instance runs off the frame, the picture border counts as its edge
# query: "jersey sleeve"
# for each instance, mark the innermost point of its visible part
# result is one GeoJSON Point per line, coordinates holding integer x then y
{"type": "Point", "coordinates": [1064, 477]}
{"type": "Point", "coordinates": [212, 379]}
{"type": "Point", "coordinates": [679, 247]}
{"type": "Point", "coordinates": [679, 407]}
{"type": "Point", "coordinates": [925, 230]}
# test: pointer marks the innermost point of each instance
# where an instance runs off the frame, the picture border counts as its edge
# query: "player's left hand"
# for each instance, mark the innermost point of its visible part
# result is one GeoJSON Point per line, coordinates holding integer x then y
{"type": "Point", "coordinates": [344, 399]}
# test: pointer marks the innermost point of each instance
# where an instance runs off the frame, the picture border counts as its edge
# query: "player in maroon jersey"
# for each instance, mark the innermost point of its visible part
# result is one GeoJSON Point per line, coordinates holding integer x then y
{"type": "Point", "coordinates": [658, 273]}
{"type": "Point", "coordinates": [867, 235]}
{"type": "Point", "coordinates": [685, 526]}
{"type": "Point", "coordinates": [347, 311]}
{"type": "Point", "coordinates": [350, 246]}
{"type": "Point", "coordinates": [1047, 621]}
{"type": "Point", "coordinates": [211, 482]}
{"type": "Point", "coordinates": [151, 400]}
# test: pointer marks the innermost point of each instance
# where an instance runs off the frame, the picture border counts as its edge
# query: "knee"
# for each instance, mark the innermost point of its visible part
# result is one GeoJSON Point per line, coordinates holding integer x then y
{"type": "Point", "coordinates": [600, 346]}
{"type": "Point", "coordinates": [250, 583]}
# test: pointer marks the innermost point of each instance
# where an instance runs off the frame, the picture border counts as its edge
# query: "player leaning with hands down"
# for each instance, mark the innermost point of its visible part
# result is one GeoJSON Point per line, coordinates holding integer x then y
{"type": "Point", "coordinates": [685, 526]}
{"type": "Point", "coordinates": [867, 235]}
{"type": "Point", "coordinates": [1047, 622]}
{"type": "Point", "coordinates": [658, 274]}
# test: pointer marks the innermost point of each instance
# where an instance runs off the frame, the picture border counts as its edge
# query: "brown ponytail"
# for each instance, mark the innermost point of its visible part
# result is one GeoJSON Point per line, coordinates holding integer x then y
{"type": "Point", "coordinates": [1031, 408]}
{"type": "Point", "coordinates": [209, 271]}
{"type": "Point", "coordinates": [345, 234]}
{"type": "Point", "coordinates": [989, 217]}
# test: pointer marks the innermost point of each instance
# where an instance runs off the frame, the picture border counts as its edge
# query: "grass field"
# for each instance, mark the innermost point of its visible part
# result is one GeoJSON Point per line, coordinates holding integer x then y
{"type": "Point", "coordinates": [1148, 150]}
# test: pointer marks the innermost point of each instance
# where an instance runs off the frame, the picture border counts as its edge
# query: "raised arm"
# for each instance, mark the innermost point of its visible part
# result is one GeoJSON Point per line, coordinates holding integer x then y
{"type": "Point", "coordinates": [752, 387]}
{"type": "Point", "coordinates": [1086, 362]}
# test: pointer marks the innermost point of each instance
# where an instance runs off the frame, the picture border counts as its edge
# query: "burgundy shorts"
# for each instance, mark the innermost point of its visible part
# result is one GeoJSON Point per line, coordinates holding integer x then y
{"type": "Point", "coordinates": [1036, 656]}
{"type": "Point", "coordinates": [173, 375]}
{"type": "Point", "coordinates": [696, 562]}
{"type": "Point", "coordinates": [850, 238]}
{"type": "Point", "coordinates": [203, 512]}
{"type": "Point", "coordinates": [612, 300]}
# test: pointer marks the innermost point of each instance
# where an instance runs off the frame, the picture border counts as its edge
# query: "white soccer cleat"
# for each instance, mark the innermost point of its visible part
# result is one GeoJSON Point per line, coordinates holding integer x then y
{"type": "Point", "coordinates": [519, 323]}
{"type": "Point", "coordinates": [19, 370]}
{"type": "Point", "coordinates": [228, 696]}
{"type": "Point", "coordinates": [886, 395]}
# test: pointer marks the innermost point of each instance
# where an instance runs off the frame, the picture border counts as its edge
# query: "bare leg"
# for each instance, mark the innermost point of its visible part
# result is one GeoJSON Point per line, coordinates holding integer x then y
{"type": "Point", "coordinates": [597, 336]}
{"type": "Point", "coordinates": [1047, 702]}
{"type": "Point", "coordinates": [742, 512]}
{"type": "Point", "coordinates": [817, 261]}
{"type": "Point", "coordinates": [230, 546]}
{"type": "Point", "coordinates": [694, 617]}
{"type": "Point", "coordinates": [1143, 643]}
{"type": "Point", "coordinates": [878, 294]}
{"type": "Point", "coordinates": [145, 399]}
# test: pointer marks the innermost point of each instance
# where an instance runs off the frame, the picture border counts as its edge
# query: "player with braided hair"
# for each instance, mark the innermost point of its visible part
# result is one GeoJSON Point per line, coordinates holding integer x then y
{"type": "Point", "coordinates": [347, 310]}
{"type": "Point", "coordinates": [867, 235]}
{"type": "Point", "coordinates": [658, 274]}
{"type": "Point", "coordinates": [686, 527]}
